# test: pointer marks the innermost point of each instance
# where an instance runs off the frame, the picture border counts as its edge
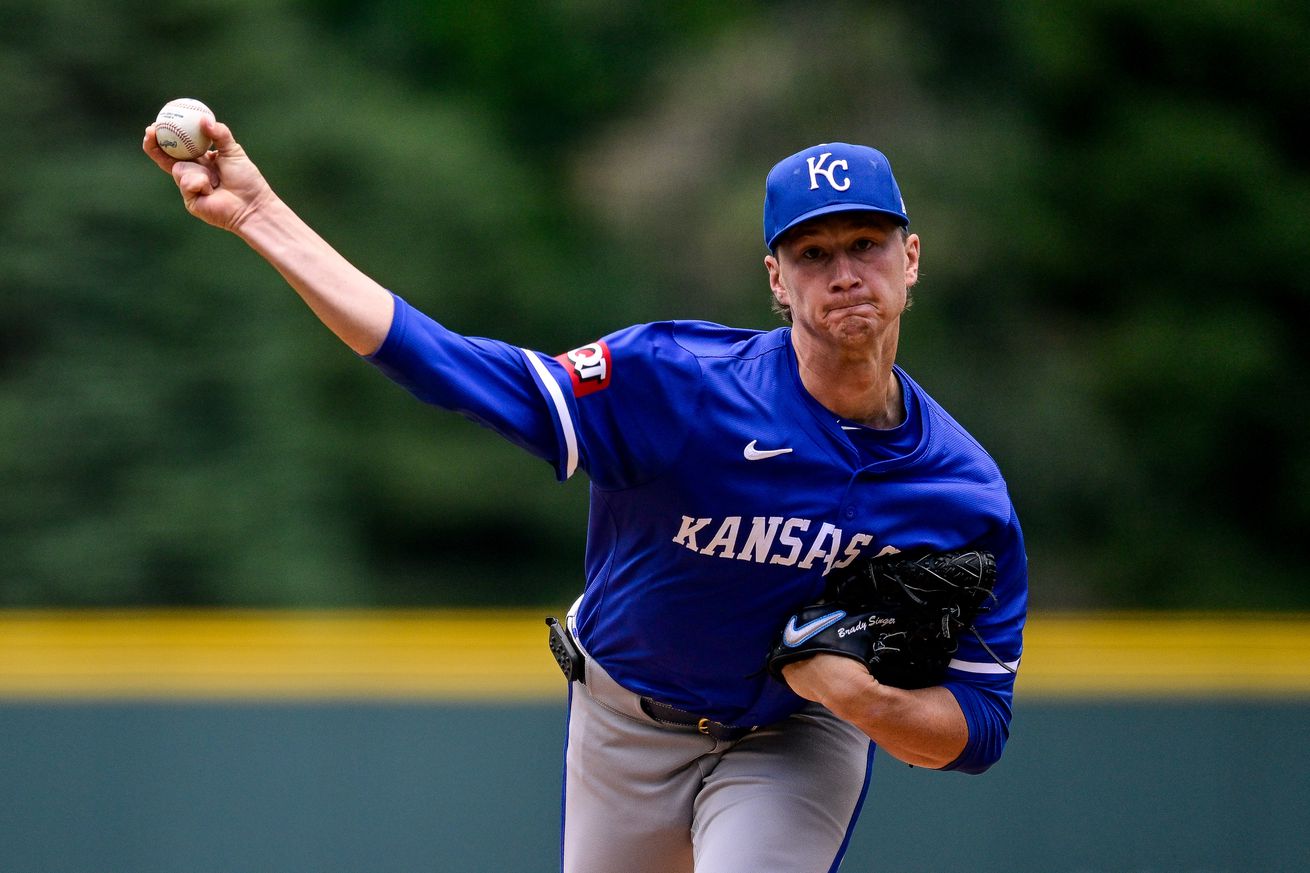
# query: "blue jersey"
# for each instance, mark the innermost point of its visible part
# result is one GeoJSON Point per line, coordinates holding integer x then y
{"type": "Point", "coordinates": [722, 494]}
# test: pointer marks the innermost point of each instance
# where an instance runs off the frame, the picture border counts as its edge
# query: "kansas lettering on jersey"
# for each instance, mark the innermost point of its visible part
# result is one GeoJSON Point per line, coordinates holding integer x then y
{"type": "Point", "coordinates": [772, 540]}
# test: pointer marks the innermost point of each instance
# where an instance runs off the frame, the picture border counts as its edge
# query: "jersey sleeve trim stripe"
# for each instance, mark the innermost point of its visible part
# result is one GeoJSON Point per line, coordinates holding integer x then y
{"type": "Point", "coordinates": [561, 413]}
{"type": "Point", "coordinates": [982, 666]}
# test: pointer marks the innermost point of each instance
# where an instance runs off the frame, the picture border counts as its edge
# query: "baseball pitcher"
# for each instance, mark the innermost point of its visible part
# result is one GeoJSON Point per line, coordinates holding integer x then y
{"type": "Point", "coordinates": [794, 554]}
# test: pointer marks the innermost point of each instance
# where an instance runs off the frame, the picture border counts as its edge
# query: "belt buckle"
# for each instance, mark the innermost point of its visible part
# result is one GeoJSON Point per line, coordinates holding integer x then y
{"type": "Point", "coordinates": [703, 725]}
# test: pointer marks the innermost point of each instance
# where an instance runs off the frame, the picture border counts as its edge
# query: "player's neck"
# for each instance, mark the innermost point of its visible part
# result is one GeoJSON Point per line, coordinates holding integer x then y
{"type": "Point", "coordinates": [855, 384]}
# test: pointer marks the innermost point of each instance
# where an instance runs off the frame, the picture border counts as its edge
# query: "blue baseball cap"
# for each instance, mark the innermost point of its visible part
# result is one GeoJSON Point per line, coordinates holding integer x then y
{"type": "Point", "coordinates": [829, 177]}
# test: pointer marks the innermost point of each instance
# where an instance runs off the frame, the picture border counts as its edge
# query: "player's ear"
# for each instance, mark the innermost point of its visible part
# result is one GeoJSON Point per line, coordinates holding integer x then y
{"type": "Point", "coordinates": [775, 280]}
{"type": "Point", "coordinates": [911, 260]}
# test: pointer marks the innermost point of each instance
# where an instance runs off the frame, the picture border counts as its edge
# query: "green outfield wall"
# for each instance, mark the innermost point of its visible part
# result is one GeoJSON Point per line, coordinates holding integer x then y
{"type": "Point", "coordinates": [130, 743]}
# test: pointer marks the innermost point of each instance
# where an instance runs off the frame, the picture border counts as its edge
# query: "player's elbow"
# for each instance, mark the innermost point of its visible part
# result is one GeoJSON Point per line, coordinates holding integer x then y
{"type": "Point", "coordinates": [982, 750]}
{"type": "Point", "coordinates": [973, 763]}
{"type": "Point", "coordinates": [988, 718]}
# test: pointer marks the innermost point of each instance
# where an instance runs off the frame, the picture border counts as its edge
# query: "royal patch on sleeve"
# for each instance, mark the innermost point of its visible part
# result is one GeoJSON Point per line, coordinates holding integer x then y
{"type": "Point", "coordinates": [589, 367]}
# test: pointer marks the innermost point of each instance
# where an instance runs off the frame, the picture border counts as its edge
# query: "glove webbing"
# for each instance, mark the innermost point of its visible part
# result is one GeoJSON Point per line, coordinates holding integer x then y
{"type": "Point", "coordinates": [910, 592]}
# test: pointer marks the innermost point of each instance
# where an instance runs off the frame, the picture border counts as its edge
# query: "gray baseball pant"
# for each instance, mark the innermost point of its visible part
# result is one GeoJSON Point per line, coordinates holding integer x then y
{"type": "Point", "coordinates": [643, 797]}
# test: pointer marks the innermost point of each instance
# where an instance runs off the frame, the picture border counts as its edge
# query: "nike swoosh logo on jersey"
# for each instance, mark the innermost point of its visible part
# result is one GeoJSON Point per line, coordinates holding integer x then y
{"type": "Point", "coordinates": [754, 454]}
{"type": "Point", "coordinates": [793, 636]}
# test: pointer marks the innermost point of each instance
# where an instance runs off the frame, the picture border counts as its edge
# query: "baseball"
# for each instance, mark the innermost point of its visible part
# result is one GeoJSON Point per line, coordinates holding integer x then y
{"type": "Point", "coordinates": [177, 128]}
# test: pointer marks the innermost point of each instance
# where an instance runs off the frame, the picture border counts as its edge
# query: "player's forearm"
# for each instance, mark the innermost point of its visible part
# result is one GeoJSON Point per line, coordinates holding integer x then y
{"type": "Point", "coordinates": [353, 306]}
{"type": "Point", "coordinates": [924, 727]}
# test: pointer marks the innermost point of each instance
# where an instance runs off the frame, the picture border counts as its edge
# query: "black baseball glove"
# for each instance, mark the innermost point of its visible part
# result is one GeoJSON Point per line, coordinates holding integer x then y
{"type": "Point", "coordinates": [900, 616]}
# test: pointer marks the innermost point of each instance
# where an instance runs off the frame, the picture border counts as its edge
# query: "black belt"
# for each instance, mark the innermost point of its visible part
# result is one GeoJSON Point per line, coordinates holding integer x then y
{"type": "Point", "coordinates": [665, 714]}
{"type": "Point", "coordinates": [571, 661]}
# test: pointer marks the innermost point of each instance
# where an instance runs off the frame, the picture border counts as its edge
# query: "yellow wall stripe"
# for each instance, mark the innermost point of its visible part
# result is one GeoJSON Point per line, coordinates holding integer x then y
{"type": "Point", "coordinates": [1166, 655]}
{"type": "Point", "coordinates": [484, 655]}
{"type": "Point", "coordinates": [246, 654]}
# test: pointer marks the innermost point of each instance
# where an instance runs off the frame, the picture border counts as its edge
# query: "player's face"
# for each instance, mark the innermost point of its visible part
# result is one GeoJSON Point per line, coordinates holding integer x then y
{"type": "Point", "coordinates": [846, 277]}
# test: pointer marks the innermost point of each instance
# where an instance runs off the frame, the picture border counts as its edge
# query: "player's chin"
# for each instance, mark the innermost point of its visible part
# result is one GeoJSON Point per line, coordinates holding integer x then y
{"type": "Point", "coordinates": [854, 325]}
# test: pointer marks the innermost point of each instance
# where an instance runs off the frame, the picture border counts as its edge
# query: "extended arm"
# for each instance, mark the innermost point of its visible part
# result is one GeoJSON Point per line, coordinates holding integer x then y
{"type": "Point", "coordinates": [924, 727]}
{"type": "Point", "coordinates": [225, 189]}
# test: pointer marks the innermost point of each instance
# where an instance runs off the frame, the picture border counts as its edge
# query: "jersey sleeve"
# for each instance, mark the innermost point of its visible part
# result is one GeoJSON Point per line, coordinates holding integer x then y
{"type": "Point", "coordinates": [613, 408]}
{"type": "Point", "coordinates": [508, 389]}
{"type": "Point", "coordinates": [983, 687]}
{"type": "Point", "coordinates": [631, 400]}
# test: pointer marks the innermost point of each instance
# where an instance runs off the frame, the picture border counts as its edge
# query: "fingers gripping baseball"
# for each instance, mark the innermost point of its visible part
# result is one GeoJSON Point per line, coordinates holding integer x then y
{"type": "Point", "coordinates": [222, 187]}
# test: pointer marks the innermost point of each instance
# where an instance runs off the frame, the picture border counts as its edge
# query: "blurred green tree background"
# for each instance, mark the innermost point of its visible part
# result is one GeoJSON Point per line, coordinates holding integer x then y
{"type": "Point", "coordinates": [1112, 198]}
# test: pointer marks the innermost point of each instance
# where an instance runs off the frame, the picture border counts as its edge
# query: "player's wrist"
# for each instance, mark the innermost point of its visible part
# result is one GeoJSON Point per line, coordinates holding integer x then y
{"type": "Point", "coordinates": [262, 215]}
{"type": "Point", "coordinates": [839, 683]}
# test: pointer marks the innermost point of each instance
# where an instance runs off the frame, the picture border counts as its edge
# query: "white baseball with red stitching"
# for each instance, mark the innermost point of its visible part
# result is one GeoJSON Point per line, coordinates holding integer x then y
{"type": "Point", "coordinates": [178, 128]}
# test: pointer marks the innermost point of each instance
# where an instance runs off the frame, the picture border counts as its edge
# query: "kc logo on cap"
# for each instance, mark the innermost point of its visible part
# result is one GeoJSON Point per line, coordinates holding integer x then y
{"type": "Point", "coordinates": [829, 177]}
{"type": "Point", "coordinates": [817, 169]}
